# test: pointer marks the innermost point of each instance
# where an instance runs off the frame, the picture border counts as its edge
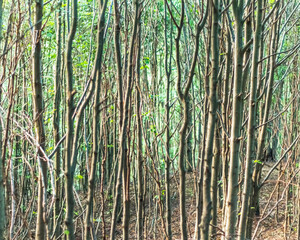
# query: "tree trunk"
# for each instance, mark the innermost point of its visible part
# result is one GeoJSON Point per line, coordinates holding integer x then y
{"type": "Point", "coordinates": [56, 123]}
{"type": "Point", "coordinates": [251, 124]}
{"type": "Point", "coordinates": [124, 162]}
{"type": "Point", "coordinates": [41, 226]}
{"type": "Point", "coordinates": [225, 137]}
{"type": "Point", "coordinates": [117, 195]}
{"type": "Point", "coordinates": [139, 160]}
{"type": "Point", "coordinates": [97, 75]}
{"type": "Point", "coordinates": [214, 184]}
{"type": "Point", "coordinates": [265, 115]}
{"type": "Point", "coordinates": [168, 66]}
{"type": "Point", "coordinates": [2, 195]}
{"type": "Point", "coordinates": [237, 115]}
{"type": "Point", "coordinates": [2, 163]}
{"type": "Point", "coordinates": [212, 100]}
{"type": "Point", "coordinates": [69, 171]}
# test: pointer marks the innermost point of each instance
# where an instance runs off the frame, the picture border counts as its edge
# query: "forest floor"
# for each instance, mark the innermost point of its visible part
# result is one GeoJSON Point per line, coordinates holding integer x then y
{"type": "Point", "coordinates": [273, 210]}
{"type": "Point", "coordinates": [270, 227]}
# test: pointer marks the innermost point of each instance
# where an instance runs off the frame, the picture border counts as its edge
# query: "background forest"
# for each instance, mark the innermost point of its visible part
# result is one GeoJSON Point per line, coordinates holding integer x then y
{"type": "Point", "coordinates": [149, 119]}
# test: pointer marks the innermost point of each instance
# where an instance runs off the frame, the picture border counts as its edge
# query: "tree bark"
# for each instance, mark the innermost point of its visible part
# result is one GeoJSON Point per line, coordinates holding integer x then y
{"type": "Point", "coordinates": [69, 171]}
{"type": "Point", "coordinates": [2, 194]}
{"type": "Point", "coordinates": [212, 100]}
{"type": "Point", "coordinates": [251, 124]}
{"type": "Point", "coordinates": [232, 198]}
{"type": "Point", "coordinates": [168, 66]}
{"type": "Point", "coordinates": [97, 75]}
{"type": "Point", "coordinates": [56, 123]}
{"type": "Point", "coordinates": [214, 184]}
{"type": "Point", "coordinates": [41, 226]}
{"type": "Point", "coordinates": [254, 199]}
{"type": "Point", "coordinates": [139, 160]}
{"type": "Point", "coordinates": [124, 162]}
{"type": "Point", "coordinates": [117, 51]}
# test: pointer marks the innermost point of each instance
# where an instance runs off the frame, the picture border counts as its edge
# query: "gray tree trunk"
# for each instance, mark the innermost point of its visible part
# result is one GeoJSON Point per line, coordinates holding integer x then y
{"type": "Point", "coordinates": [41, 226]}
{"type": "Point", "coordinates": [237, 115]}
{"type": "Point", "coordinates": [96, 76]}
{"type": "Point", "coordinates": [212, 100]}
{"type": "Point", "coordinates": [251, 124]}
{"type": "Point", "coordinates": [69, 171]}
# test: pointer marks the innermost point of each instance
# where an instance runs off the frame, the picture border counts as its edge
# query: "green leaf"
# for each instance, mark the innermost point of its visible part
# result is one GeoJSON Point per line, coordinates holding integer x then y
{"type": "Point", "coordinates": [66, 232]}
{"type": "Point", "coordinates": [271, 2]}
{"type": "Point", "coordinates": [79, 176]}
{"type": "Point", "coordinates": [257, 161]}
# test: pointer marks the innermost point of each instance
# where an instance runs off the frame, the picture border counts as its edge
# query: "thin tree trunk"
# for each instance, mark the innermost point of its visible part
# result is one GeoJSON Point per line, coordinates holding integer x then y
{"type": "Point", "coordinates": [2, 163]}
{"type": "Point", "coordinates": [232, 197]}
{"type": "Point", "coordinates": [117, 195]}
{"type": "Point", "coordinates": [182, 131]}
{"type": "Point", "coordinates": [123, 135]}
{"type": "Point", "coordinates": [183, 96]}
{"type": "Point", "coordinates": [265, 115]}
{"type": "Point", "coordinates": [97, 75]}
{"type": "Point", "coordinates": [199, 200]}
{"type": "Point", "coordinates": [214, 184]}
{"type": "Point", "coordinates": [56, 123]}
{"type": "Point", "coordinates": [251, 124]}
{"type": "Point", "coordinates": [1, 11]}
{"type": "Point", "coordinates": [41, 226]}
{"type": "Point", "coordinates": [168, 66]}
{"type": "Point", "coordinates": [69, 172]}
{"type": "Point", "coordinates": [225, 140]}
{"type": "Point", "coordinates": [139, 163]}
{"type": "Point", "coordinates": [212, 100]}
{"type": "Point", "coordinates": [124, 162]}
{"type": "Point", "coordinates": [2, 195]}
